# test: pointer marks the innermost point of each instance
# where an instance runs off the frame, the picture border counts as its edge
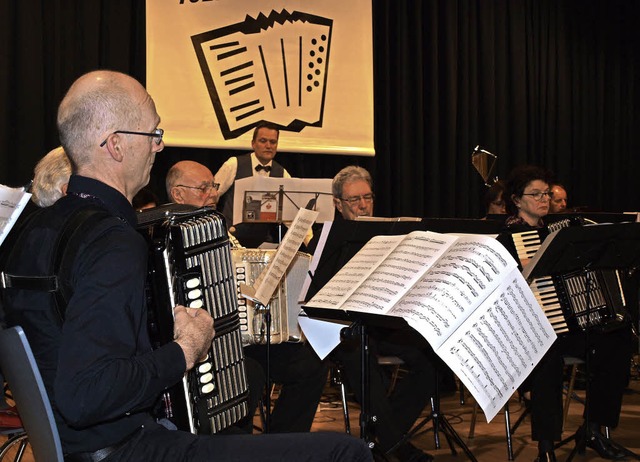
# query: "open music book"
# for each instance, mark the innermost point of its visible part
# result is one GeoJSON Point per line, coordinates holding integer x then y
{"type": "Point", "coordinates": [464, 294]}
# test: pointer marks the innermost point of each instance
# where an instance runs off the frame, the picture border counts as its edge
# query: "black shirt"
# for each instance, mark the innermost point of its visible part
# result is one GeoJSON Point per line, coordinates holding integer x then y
{"type": "Point", "coordinates": [98, 367]}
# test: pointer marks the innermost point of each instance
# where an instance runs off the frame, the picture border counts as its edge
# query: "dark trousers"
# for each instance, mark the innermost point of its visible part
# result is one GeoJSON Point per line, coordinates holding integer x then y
{"type": "Point", "coordinates": [158, 444]}
{"type": "Point", "coordinates": [609, 364]}
{"type": "Point", "coordinates": [302, 375]}
{"type": "Point", "coordinates": [395, 414]}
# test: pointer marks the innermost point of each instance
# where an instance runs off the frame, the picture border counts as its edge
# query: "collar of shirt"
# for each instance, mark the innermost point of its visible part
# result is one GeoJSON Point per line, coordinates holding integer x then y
{"type": "Point", "coordinates": [515, 220]}
{"type": "Point", "coordinates": [255, 162]}
{"type": "Point", "coordinates": [112, 199]}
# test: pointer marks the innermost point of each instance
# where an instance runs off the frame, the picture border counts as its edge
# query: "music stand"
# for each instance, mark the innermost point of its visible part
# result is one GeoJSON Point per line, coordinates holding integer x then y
{"type": "Point", "coordinates": [345, 239]}
{"type": "Point", "coordinates": [588, 248]}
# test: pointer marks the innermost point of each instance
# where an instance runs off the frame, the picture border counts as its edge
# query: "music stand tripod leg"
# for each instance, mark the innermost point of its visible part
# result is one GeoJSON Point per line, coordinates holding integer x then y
{"type": "Point", "coordinates": [366, 419]}
{"type": "Point", "coordinates": [440, 424]}
{"type": "Point", "coordinates": [267, 400]}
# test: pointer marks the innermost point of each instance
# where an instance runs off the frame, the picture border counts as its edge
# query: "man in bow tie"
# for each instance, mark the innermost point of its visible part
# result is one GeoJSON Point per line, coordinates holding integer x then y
{"type": "Point", "coordinates": [258, 162]}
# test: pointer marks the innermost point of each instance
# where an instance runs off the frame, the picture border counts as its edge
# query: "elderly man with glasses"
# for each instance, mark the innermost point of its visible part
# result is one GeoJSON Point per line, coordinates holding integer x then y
{"type": "Point", "coordinates": [190, 182]}
{"type": "Point", "coordinates": [352, 192]}
{"type": "Point", "coordinates": [395, 412]}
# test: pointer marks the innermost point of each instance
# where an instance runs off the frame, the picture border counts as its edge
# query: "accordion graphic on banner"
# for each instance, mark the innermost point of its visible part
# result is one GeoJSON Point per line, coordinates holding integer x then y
{"type": "Point", "coordinates": [269, 68]}
{"type": "Point", "coordinates": [190, 264]}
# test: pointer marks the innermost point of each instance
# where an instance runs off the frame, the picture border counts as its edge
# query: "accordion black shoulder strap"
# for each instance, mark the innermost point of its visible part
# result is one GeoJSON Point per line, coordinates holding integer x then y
{"type": "Point", "coordinates": [77, 226]}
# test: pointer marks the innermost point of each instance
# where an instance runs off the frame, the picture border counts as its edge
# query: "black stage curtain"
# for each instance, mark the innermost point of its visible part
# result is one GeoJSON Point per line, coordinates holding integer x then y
{"type": "Point", "coordinates": [550, 82]}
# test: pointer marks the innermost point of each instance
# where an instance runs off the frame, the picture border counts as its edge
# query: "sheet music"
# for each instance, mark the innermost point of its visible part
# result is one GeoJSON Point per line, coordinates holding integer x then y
{"type": "Point", "coordinates": [266, 284]}
{"type": "Point", "coordinates": [455, 287]}
{"type": "Point", "coordinates": [315, 260]}
{"type": "Point", "coordinates": [355, 272]}
{"type": "Point", "coordinates": [463, 294]}
{"type": "Point", "coordinates": [12, 203]}
{"type": "Point", "coordinates": [499, 344]}
{"type": "Point", "coordinates": [400, 270]}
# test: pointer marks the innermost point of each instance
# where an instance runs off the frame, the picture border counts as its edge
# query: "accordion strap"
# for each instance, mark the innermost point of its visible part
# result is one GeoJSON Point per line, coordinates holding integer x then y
{"type": "Point", "coordinates": [76, 227]}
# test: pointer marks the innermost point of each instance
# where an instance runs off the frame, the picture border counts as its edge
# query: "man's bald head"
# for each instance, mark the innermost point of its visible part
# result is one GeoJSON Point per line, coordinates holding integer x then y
{"type": "Point", "coordinates": [192, 183]}
{"type": "Point", "coordinates": [108, 127]}
{"type": "Point", "coordinates": [97, 104]}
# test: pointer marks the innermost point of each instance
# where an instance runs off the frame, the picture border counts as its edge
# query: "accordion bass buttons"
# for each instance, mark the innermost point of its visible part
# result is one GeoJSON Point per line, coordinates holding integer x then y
{"type": "Point", "coordinates": [242, 302]}
{"type": "Point", "coordinates": [193, 293]}
{"type": "Point", "coordinates": [192, 283]}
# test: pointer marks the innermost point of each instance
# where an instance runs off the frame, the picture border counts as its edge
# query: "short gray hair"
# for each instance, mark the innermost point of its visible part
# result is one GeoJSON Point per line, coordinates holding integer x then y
{"type": "Point", "coordinates": [52, 172]}
{"type": "Point", "coordinates": [348, 175]}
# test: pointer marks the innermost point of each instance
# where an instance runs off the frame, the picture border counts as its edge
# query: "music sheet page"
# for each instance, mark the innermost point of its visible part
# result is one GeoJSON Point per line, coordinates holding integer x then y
{"type": "Point", "coordinates": [441, 301]}
{"type": "Point", "coordinates": [499, 344]}
{"type": "Point", "coordinates": [266, 284]}
{"type": "Point", "coordinates": [478, 313]}
{"type": "Point", "coordinates": [381, 272]}
{"type": "Point", "coordinates": [12, 203]}
{"type": "Point", "coordinates": [400, 270]}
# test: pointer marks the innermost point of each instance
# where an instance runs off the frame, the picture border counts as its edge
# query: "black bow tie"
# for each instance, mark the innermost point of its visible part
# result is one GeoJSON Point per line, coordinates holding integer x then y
{"type": "Point", "coordinates": [266, 168]}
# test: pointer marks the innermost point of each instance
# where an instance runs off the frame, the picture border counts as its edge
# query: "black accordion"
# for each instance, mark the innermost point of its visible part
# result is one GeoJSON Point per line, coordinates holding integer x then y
{"type": "Point", "coordinates": [578, 300]}
{"type": "Point", "coordinates": [190, 264]}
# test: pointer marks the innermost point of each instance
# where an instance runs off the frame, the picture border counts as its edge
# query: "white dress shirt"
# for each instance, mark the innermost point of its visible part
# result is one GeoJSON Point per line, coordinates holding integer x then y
{"type": "Point", "coordinates": [227, 173]}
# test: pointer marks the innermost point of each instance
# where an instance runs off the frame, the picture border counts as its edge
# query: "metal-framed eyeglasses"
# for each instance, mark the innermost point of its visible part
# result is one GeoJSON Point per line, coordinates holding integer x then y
{"type": "Point", "coordinates": [353, 200]}
{"type": "Point", "coordinates": [538, 196]}
{"type": "Point", "coordinates": [204, 188]}
{"type": "Point", "coordinates": [157, 135]}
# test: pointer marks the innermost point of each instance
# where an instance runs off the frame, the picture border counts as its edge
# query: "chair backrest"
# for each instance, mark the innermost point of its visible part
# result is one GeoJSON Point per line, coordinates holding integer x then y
{"type": "Point", "coordinates": [21, 373]}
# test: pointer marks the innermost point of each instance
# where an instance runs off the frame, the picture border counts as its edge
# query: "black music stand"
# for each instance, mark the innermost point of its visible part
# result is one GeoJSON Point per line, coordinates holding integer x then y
{"type": "Point", "coordinates": [587, 248]}
{"type": "Point", "coordinates": [345, 239]}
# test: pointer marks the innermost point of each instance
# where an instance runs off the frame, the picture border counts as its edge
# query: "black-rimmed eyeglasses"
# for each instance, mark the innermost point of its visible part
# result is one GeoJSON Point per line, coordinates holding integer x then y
{"type": "Point", "coordinates": [353, 200]}
{"type": "Point", "coordinates": [204, 189]}
{"type": "Point", "coordinates": [157, 135]}
{"type": "Point", "coordinates": [539, 195]}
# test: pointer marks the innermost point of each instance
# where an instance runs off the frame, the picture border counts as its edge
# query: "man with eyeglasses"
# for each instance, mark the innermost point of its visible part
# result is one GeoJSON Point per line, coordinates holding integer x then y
{"type": "Point", "coordinates": [352, 194]}
{"type": "Point", "coordinates": [93, 351]}
{"type": "Point", "coordinates": [190, 182]}
{"type": "Point", "coordinates": [353, 197]}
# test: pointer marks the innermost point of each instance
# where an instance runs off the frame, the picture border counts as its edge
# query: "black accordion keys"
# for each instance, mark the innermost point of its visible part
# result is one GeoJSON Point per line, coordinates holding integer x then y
{"type": "Point", "coordinates": [190, 264]}
{"type": "Point", "coordinates": [578, 300]}
{"type": "Point", "coordinates": [581, 300]}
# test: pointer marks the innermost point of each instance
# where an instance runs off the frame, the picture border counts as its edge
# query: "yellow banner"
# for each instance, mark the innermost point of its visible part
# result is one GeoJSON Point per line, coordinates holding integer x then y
{"type": "Point", "coordinates": [216, 68]}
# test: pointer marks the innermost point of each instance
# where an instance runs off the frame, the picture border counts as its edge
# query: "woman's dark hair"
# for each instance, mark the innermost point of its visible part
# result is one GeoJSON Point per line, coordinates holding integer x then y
{"type": "Point", "coordinates": [517, 181]}
{"type": "Point", "coordinates": [492, 194]}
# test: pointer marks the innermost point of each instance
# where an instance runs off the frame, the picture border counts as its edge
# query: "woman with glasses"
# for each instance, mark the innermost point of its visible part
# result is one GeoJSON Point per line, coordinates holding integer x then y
{"type": "Point", "coordinates": [527, 196]}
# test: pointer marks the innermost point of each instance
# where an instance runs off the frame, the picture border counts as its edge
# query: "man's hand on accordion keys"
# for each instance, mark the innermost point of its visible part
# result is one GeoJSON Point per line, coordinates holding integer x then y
{"type": "Point", "coordinates": [193, 331]}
